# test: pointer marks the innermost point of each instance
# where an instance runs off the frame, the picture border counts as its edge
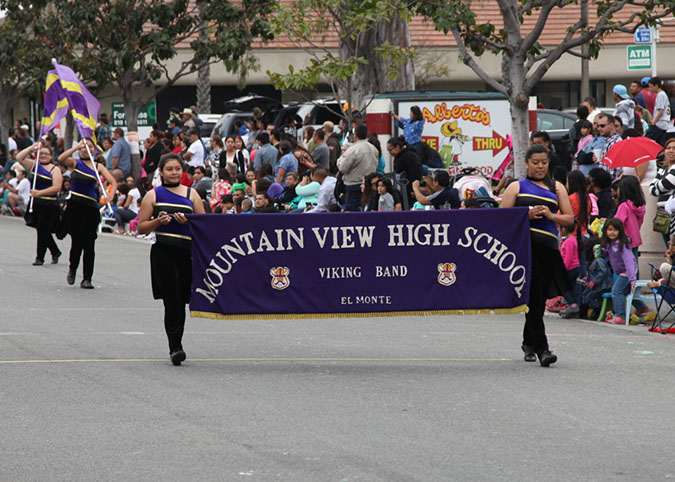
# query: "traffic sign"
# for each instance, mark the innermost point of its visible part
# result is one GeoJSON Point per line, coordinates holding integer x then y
{"type": "Point", "coordinates": [643, 35]}
{"type": "Point", "coordinates": [639, 57]}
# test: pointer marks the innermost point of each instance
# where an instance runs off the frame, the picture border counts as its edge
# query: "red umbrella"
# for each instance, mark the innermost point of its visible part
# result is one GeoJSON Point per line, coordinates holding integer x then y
{"type": "Point", "coordinates": [632, 152]}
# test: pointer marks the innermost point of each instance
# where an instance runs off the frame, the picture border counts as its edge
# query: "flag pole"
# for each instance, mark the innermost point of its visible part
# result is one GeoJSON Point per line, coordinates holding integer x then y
{"type": "Point", "coordinates": [100, 183]}
{"type": "Point", "coordinates": [37, 161]}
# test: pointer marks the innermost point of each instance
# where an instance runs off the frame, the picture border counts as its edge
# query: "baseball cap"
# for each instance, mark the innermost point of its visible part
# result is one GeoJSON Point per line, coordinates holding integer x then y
{"type": "Point", "coordinates": [195, 132]}
{"type": "Point", "coordinates": [620, 90]}
{"type": "Point", "coordinates": [645, 81]}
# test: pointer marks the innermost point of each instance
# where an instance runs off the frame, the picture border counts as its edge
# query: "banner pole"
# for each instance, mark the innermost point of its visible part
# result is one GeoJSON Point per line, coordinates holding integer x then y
{"type": "Point", "coordinates": [37, 162]}
{"type": "Point", "coordinates": [100, 183]}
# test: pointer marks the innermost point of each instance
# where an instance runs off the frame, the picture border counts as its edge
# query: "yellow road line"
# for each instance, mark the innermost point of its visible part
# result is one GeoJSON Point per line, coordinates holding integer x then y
{"type": "Point", "coordinates": [316, 359]}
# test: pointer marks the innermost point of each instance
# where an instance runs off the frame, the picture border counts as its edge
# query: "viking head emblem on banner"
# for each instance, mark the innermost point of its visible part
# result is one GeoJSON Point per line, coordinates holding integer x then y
{"type": "Point", "coordinates": [280, 279]}
{"type": "Point", "coordinates": [446, 273]}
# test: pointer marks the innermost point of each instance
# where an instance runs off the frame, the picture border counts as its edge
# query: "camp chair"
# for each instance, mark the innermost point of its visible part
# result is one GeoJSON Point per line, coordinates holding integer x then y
{"type": "Point", "coordinates": [663, 294]}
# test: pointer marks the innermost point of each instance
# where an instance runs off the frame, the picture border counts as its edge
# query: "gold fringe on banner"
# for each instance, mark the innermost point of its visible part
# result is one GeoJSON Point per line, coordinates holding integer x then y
{"type": "Point", "coordinates": [301, 316]}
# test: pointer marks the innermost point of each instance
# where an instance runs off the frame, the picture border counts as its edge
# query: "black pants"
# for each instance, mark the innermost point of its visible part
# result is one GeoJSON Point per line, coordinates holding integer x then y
{"type": "Point", "coordinates": [46, 214]}
{"type": "Point", "coordinates": [534, 333]}
{"type": "Point", "coordinates": [353, 198]}
{"type": "Point", "coordinates": [83, 220]}
{"type": "Point", "coordinates": [171, 282]}
{"type": "Point", "coordinates": [174, 323]}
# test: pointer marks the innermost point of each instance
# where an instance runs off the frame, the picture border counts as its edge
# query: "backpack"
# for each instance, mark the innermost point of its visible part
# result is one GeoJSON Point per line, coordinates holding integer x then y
{"type": "Point", "coordinates": [600, 274]}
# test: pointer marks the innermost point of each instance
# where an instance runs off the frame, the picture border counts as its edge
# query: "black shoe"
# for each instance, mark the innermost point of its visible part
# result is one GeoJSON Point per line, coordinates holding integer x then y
{"type": "Point", "coordinates": [177, 357]}
{"type": "Point", "coordinates": [38, 262]}
{"type": "Point", "coordinates": [530, 356]}
{"type": "Point", "coordinates": [546, 358]}
{"type": "Point", "coordinates": [71, 277]}
{"type": "Point", "coordinates": [55, 258]}
{"type": "Point", "coordinates": [86, 284]}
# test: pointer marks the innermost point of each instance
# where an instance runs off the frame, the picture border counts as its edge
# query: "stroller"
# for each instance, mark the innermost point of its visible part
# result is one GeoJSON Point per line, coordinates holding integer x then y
{"type": "Point", "coordinates": [471, 183]}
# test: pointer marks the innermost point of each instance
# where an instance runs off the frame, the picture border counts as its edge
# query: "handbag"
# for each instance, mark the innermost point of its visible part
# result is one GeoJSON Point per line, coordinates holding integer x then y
{"type": "Point", "coordinates": [30, 219]}
{"type": "Point", "coordinates": [661, 223]}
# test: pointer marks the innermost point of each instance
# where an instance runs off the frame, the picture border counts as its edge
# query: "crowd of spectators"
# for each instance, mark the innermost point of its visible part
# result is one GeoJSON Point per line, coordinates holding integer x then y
{"type": "Point", "coordinates": [259, 169]}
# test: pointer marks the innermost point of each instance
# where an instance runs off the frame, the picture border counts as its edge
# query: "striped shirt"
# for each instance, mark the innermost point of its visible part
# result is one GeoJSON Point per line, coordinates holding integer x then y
{"type": "Point", "coordinates": [663, 184]}
{"type": "Point", "coordinates": [615, 172]}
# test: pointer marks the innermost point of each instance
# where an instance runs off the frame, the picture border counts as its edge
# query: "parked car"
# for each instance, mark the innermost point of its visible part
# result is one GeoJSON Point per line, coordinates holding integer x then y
{"type": "Point", "coordinates": [557, 124]}
{"type": "Point", "coordinates": [315, 113]}
{"type": "Point", "coordinates": [206, 129]}
{"type": "Point", "coordinates": [241, 108]}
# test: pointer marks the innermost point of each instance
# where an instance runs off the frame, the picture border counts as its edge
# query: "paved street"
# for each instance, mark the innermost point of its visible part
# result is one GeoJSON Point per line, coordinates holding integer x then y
{"type": "Point", "coordinates": [89, 394]}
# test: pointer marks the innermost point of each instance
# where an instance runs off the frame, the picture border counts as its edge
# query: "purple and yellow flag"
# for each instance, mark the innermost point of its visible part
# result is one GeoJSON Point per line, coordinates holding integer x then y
{"type": "Point", "coordinates": [83, 105]}
{"type": "Point", "coordinates": [56, 104]}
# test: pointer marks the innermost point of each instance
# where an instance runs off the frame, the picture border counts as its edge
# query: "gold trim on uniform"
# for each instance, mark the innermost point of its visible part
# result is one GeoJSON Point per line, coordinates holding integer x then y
{"type": "Point", "coordinates": [159, 233]}
{"type": "Point", "coordinates": [185, 206]}
{"type": "Point", "coordinates": [539, 197]}
{"type": "Point", "coordinates": [84, 196]}
{"type": "Point", "coordinates": [544, 232]}
{"type": "Point", "coordinates": [85, 174]}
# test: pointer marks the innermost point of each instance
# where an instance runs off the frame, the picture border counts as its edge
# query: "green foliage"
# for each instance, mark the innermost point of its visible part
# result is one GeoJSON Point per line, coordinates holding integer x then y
{"type": "Point", "coordinates": [25, 49]}
{"type": "Point", "coordinates": [130, 42]}
{"type": "Point", "coordinates": [308, 23]}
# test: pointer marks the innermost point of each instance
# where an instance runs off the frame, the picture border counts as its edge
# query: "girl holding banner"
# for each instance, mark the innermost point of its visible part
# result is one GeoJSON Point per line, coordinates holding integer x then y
{"type": "Point", "coordinates": [44, 205]}
{"type": "Point", "coordinates": [163, 211]}
{"type": "Point", "coordinates": [82, 213]}
{"type": "Point", "coordinates": [549, 206]}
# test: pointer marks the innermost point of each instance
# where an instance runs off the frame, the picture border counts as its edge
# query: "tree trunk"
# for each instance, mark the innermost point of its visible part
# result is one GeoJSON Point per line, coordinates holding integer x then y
{"type": "Point", "coordinates": [204, 88]}
{"type": "Point", "coordinates": [371, 78]}
{"type": "Point", "coordinates": [204, 72]}
{"type": "Point", "coordinates": [70, 132]}
{"type": "Point", "coordinates": [513, 72]}
{"type": "Point", "coordinates": [521, 134]}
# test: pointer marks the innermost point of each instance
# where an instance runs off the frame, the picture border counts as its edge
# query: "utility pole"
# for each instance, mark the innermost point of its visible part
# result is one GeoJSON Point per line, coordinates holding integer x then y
{"type": "Point", "coordinates": [585, 76]}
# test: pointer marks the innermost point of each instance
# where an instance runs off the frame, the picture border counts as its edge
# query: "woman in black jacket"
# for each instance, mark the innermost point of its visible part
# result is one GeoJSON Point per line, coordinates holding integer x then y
{"type": "Point", "coordinates": [405, 161]}
{"type": "Point", "coordinates": [153, 154]}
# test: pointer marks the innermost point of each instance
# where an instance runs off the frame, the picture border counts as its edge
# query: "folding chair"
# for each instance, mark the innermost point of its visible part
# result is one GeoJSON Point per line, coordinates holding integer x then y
{"type": "Point", "coordinates": [666, 293]}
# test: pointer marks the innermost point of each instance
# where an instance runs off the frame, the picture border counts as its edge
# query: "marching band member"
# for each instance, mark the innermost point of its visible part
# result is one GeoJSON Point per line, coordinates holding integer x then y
{"type": "Point", "coordinates": [45, 205]}
{"type": "Point", "coordinates": [82, 213]}
{"type": "Point", "coordinates": [545, 197]}
{"type": "Point", "coordinates": [163, 211]}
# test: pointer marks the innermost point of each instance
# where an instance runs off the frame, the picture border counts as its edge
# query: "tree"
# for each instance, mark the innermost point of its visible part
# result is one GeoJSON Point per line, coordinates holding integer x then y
{"type": "Point", "coordinates": [374, 53]}
{"type": "Point", "coordinates": [25, 55]}
{"type": "Point", "coordinates": [129, 43]}
{"type": "Point", "coordinates": [524, 60]}
{"type": "Point", "coordinates": [204, 69]}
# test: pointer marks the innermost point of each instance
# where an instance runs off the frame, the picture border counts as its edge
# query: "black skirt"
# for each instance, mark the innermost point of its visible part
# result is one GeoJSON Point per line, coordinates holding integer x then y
{"type": "Point", "coordinates": [171, 270]}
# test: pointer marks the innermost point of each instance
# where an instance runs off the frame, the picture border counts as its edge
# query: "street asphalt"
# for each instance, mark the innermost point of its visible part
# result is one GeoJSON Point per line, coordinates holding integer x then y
{"type": "Point", "coordinates": [88, 392]}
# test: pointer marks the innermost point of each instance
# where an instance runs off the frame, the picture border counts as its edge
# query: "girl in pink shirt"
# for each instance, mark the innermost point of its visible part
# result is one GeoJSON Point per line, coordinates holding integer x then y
{"type": "Point", "coordinates": [631, 210]}
{"type": "Point", "coordinates": [569, 250]}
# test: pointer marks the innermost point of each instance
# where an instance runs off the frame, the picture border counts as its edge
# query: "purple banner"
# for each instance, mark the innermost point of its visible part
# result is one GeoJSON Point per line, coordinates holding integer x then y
{"type": "Point", "coordinates": [346, 264]}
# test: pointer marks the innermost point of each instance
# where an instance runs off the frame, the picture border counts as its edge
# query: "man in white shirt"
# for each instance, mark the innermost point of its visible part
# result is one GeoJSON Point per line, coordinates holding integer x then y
{"type": "Point", "coordinates": [661, 121]}
{"type": "Point", "coordinates": [11, 143]}
{"type": "Point", "coordinates": [195, 153]}
{"type": "Point", "coordinates": [18, 196]}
